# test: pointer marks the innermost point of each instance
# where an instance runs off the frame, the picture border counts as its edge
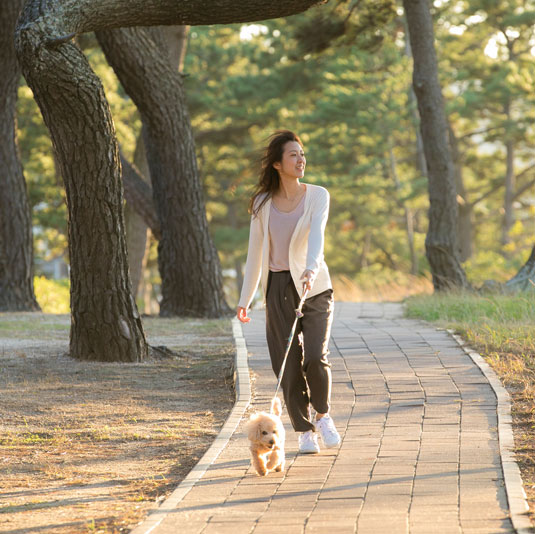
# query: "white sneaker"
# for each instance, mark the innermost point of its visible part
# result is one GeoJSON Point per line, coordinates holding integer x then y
{"type": "Point", "coordinates": [308, 443]}
{"type": "Point", "coordinates": [328, 431]}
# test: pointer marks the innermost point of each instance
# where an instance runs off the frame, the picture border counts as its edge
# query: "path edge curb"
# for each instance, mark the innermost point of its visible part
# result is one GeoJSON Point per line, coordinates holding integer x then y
{"type": "Point", "coordinates": [243, 398]}
{"type": "Point", "coordinates": [514, 488]}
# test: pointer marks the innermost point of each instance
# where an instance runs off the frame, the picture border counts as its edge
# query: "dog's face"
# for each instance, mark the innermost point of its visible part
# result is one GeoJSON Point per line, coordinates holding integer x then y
{"type": "Point", "coordinates": [266, 431]}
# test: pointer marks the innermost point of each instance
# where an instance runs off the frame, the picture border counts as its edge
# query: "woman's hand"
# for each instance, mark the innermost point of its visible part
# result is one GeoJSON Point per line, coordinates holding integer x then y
{"type": "Point", "coordinates": [308, 278]}
{"type": "Point", "coordinates": [241, 314]}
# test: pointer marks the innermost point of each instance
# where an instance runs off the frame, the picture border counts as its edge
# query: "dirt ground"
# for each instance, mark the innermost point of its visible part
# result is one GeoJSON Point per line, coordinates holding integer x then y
{"type": "Point", "coordinates": [88, 447]}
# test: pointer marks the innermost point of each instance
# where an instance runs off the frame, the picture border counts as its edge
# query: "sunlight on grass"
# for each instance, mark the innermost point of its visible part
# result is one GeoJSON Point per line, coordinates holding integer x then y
{"type": "Point", "coordinates": [501, 327]}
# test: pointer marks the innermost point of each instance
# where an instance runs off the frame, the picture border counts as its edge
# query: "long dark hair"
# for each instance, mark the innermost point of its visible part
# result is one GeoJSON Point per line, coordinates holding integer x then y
{"type": "Point", "coordinates": [269, 176]}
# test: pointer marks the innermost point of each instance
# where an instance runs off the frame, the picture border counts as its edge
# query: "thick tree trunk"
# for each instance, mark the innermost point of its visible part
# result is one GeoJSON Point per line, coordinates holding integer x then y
{"type": "Point", "coordinates": [188, 262]}
{"type": "Point", "coordinates": [177, 43]}
{"type": "Point", "coordinates": [441, 239]}
{"type": "Point", "coordinates": [16, 243]}
{"type": "Point", "coordinates": [105, 323]}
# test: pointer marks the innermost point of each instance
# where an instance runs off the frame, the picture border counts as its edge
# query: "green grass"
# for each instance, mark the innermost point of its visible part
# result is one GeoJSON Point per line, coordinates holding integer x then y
{"type": "Point", "coordinates": [494, 324]}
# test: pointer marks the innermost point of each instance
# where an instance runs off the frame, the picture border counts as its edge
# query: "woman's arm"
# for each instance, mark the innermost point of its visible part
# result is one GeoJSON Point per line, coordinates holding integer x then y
{"type": "Point", "coordinates": [253, 265]}
{"type": "Point", "coordinates": [316, 237]}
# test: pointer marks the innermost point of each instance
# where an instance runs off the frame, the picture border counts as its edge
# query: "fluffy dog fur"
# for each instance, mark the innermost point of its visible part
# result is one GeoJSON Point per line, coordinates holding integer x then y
{"type": "Point", "coordinates": [266, 439]}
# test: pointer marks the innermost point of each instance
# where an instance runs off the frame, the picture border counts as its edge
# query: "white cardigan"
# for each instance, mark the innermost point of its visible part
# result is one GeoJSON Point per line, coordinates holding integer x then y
{"type": "Point", "coordinates": [306, 247]}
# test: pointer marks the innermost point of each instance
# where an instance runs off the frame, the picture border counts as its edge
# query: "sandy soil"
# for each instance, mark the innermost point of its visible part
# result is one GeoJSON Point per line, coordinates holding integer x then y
{"type": "Point", "coordinates": [88, 447]}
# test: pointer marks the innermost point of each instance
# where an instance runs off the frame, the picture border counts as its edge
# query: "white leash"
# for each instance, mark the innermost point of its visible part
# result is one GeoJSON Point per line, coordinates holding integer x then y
{"type": "Point", "coordinates": [298, 315]}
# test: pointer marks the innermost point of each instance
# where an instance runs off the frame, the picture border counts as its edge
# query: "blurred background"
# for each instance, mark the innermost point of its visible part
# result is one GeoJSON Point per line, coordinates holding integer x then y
{"type": "Point", "coordinates": [341, 79]}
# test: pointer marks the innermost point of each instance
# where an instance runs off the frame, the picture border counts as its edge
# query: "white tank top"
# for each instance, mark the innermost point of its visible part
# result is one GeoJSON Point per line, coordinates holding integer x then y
{"type": "Point", "coordinates": [281, 228]}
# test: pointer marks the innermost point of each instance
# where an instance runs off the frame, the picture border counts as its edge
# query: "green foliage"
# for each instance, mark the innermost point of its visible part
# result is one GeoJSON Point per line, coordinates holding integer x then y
{"type": "Point", "coordinates": [339, 75]}
{"type": "Point", "coordinates": [487, 66]}
{"type": "Point", "coordinates": [347, 106]}
{"type": "Point", "coordinates": [52, 295]}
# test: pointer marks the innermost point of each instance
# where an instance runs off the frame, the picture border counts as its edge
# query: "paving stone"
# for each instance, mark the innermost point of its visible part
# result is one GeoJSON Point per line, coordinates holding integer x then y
{"type": "Point", "coordinates": [419, 426]}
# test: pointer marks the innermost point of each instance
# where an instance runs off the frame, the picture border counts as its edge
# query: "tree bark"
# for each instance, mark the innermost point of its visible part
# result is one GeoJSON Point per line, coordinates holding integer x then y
{"type": "Point", "coordinates": [441, 239]}
{"type": "Point", "coordinates": [413, 103]}
{"type": "Point", "coordinates": [177, 43]}
{"type": "Point", "coordinates": [140, 60]}
{"type": "Point", "coordinates": [16, 240]}
{"type": "Point", "coordinates": [60, 20]}
{"type": "Point", "coordinates": [105, 324]}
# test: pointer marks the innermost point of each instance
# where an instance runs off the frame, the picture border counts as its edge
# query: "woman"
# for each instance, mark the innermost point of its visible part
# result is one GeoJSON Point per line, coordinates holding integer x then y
{"type": "Point", "coordinates": [286, 254]}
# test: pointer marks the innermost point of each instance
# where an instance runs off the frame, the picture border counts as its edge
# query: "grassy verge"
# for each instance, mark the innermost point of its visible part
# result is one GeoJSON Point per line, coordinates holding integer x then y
{"type": "Point", "coordinates": [88, 447]}
{"type": "Point", "coordinates": [502, 329]}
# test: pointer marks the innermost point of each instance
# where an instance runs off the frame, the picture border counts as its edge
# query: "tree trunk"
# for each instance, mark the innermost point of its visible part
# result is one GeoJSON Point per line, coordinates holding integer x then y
{"type": "Point", "coordinates": [105, 323]}
{"type": "Point", "coordinates": [420, 156]}
{"type": "Point", "coordinates": [175, 37]}
{"type": "Point", "coordinates": [524, 280]}
{"type": "Point", "coordinates": [465, 226]}
{"type": "Point", "coordinates": [363, 257]}
{"type": "Point", "coordinates": [177, 44]}
{"type": "Point", "coordinates": [188, 262]}
{"type": "Point", "coordinates": [16, 243]}
{"type": "Point", "coordinates": [441, 239]}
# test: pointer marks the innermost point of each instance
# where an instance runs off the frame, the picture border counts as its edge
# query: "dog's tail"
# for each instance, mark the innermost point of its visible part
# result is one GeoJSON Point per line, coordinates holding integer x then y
{"type": "Point", "coordinates": [276, 406]}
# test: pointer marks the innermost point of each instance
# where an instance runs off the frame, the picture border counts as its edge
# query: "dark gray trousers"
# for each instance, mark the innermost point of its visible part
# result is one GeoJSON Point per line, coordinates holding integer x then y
{"type": "Point", "coordinates": [307, 375]}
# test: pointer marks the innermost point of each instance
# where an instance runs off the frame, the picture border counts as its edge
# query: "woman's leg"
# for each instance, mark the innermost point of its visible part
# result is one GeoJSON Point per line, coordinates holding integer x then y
{"type": "Point", "coordinates": [316, 326]}
{"type": "Point", "coordinates": [281, 301]}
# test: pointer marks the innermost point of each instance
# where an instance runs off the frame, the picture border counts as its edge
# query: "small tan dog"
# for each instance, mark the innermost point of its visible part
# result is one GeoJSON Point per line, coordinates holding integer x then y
{"type": "Point", "coordinates": [266, 439]}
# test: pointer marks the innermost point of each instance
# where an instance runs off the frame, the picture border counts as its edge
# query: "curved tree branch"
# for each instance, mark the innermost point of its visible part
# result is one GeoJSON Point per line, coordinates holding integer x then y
{"type": "Point", "coordinates": [138, 193]}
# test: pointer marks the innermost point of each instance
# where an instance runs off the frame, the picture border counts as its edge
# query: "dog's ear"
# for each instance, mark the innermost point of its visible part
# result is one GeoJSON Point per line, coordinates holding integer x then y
{"type": "Point", "coordinates": [276, 406]}
{"type": "Point", "coordinates": [252, 428]}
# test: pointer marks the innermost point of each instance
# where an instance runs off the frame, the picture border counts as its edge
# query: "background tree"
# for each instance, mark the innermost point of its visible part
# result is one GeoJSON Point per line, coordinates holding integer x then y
{"type": "Point", "coordinates": [348, 92]}
{"type": "Point", "coordinates": [16, 243]}
{"type": "Point", "coordinates": [482, 82]}
{"type": "Point", "coordinates": [140, 58]}
{"type": "Point", "coordinates": [105, 322]}
{"type": "Point", "coordinates": [137, 238]}
{"type": "Point", "coordinates": [441, 240]}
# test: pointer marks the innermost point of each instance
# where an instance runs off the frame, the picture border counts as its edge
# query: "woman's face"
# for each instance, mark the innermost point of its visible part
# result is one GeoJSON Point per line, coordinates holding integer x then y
{"type": "Point", "coordinates": [293, 161]}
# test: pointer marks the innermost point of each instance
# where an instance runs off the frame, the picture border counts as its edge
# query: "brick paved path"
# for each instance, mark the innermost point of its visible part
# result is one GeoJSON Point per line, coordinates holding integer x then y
{"type": "Point", "coordinates": [419, 454]}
